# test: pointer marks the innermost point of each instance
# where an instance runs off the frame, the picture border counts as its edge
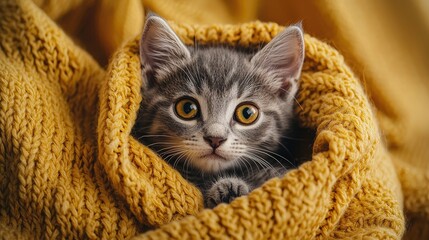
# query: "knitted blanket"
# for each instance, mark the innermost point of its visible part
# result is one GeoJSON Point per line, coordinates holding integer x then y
{"type": "Point", "coordinates": [70, 169]}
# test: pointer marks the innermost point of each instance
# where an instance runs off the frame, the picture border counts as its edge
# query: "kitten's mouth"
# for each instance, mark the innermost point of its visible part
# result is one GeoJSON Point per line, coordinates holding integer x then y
{"type": "Point", "coordinates": [214, 155]}
{"type": "Point", "coordinates": [213, 161]}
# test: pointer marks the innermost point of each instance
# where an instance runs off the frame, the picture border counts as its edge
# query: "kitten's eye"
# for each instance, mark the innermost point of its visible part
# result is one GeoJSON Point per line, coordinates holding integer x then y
{"type": "Point", "coordinates": [186, 108]}
{"type": "Point", "coordinates": [246, 113]}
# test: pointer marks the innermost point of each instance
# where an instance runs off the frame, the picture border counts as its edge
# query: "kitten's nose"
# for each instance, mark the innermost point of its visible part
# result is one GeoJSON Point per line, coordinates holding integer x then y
{"type": "Point", "coordinates": [214, 142]}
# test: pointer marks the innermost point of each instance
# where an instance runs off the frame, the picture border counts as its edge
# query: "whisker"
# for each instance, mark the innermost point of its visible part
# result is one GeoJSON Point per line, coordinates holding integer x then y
{"type": "Point", "coordinates": [242, 161]}
{"type": "Point", "coordinates": [271, 155]}
{"type": "Point", "coordinates": [162, 144]}
{"type": "Point", "coordinates": [299, 105]}
{"type": "Point", "coordinates": [179, 157]}
{"type": "Point", "coordinates": [154, 135]}
{"type": "Point", "coordinates": [262, 162]}
{"type": "Point", "coordinates": [292, 138]}
{"type": "Point", "coordinates": [281, 145]}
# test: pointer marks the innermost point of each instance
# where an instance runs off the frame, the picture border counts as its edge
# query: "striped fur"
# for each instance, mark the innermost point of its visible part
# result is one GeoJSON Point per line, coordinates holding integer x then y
{"type": "Point", "coordinates": [219, 78]}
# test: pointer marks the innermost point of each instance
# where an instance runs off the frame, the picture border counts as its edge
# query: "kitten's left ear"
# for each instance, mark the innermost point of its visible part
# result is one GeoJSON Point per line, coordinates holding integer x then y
{"type": "Point", "coordinates": [283, 56]}
{"type": "Point", "coordinates": [160, 47]}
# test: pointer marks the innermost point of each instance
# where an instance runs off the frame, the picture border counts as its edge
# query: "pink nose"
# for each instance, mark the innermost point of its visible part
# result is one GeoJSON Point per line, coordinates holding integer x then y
{"type": "Point", "coordinates": [214, 142]}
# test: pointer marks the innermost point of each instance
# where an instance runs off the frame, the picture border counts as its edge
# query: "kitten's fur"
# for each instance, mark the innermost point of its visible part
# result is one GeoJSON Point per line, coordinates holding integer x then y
{"type": "Point", "coordinates": [224, 158]}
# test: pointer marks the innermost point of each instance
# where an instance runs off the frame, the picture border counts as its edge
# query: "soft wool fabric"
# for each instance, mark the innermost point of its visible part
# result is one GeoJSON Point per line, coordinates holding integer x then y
{"type": "Point", "coordinates": [70, 169]}
{"type": "Point", "coordinates": [101, 26]}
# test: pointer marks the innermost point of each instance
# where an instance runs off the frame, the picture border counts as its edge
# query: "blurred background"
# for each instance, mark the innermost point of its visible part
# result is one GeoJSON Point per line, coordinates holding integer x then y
{"type": "Point", "coordinates": [385, 42]}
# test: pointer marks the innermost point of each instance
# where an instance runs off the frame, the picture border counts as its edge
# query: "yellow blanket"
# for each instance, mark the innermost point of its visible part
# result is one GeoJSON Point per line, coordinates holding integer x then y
{"type": "Point", "coordinates": [70, 169]}
{"type": "Point", "coordinates": [386, 43]}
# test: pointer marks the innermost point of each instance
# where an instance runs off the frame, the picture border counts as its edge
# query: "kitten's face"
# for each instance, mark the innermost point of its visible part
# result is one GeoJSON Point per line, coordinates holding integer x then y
{"type": "Point", "coordinates": [212, 108]}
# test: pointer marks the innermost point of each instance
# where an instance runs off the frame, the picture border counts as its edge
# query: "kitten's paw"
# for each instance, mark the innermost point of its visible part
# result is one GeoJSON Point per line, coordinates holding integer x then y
{"type": "Point", "coordinates": [225, 190]}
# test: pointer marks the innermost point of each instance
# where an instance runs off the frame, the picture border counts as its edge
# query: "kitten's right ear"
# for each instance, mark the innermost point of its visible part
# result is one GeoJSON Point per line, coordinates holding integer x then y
{"type": "Point", "coordinates": [284, 57]}
{"type": "Point", "coordinates": [160, 47]}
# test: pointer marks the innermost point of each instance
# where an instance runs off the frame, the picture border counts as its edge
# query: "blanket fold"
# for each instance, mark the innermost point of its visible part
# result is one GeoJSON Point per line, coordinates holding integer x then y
{"type": "Point", "coordinates": [70, 169]}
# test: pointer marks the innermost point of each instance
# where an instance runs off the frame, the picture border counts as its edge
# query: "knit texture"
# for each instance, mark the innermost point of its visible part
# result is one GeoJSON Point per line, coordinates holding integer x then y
{"type": "Point", "coordinates": [70, 169]}
{"type": "Point", "coordinates": [101, 26]}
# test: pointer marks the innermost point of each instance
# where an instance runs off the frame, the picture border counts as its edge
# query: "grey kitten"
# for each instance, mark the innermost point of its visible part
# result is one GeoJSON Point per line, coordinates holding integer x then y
{"type": "Point", "coordinates": [215, 113]}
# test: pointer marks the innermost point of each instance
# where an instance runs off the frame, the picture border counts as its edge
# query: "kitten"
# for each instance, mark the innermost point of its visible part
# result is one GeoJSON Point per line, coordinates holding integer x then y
{"type": "Point", "coordinates": [215, 113]}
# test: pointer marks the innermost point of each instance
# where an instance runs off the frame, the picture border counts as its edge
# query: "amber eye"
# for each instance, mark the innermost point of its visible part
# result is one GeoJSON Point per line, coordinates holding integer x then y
{"type": "Point", "coordinates": [186, 108]}
{"type": "Point", "coordinates": [246, 113]}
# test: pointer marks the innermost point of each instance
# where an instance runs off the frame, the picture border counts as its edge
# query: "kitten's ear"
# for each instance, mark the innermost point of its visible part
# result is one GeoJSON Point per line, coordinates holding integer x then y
{"type": "Point", "coordinates": [160, 47]}
{"type": "Point", "coordinates": [283, 56]}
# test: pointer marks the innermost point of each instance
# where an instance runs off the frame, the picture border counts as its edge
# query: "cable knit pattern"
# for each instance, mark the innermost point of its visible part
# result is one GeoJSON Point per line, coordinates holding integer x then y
{"type": "Point", "coordinates": [70, 169]}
